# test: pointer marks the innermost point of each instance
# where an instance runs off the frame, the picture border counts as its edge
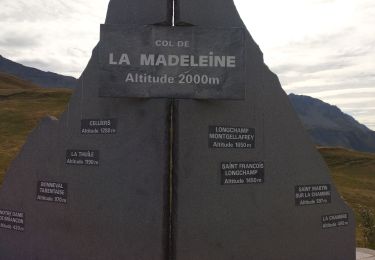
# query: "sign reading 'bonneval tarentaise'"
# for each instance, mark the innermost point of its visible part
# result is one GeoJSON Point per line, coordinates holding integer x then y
{"type": "Point", "coordinates": [176, 62]}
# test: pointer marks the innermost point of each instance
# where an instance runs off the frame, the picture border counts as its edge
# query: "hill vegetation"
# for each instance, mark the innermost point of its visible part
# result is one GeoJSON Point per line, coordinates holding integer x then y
{"type": "Point", "coordinates": [329, 126]}
{"type": "Point", "coordinates": [326, 124]}
{"type": "Point", "coordinates": [11, 82]}
{"type": "Point", "coordinates": [23, 104]}
{"type": "Point", "coordinates": [354, 175]}
{"type": "Point", "coordinates": [42, 78]}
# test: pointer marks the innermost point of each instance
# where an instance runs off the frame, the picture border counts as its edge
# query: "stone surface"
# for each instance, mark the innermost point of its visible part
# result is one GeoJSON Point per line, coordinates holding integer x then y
{"type": "Point", "coordinates": [365, 254]}
{"type": "Point", "coordinates": [116, 209]}
{"type": "Point", "coordinates": [244, 220]}
{"type": "Point", "coordinates": [95, 184]}
{"type": "Point", "coordinates": [172, 62]}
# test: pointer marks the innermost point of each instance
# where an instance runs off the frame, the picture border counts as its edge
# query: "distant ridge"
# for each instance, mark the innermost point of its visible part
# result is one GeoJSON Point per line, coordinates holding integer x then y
{"type": "Point", "coordinates": [329, 126]}
{"type": "Point", "coordinates": [8, 81]}
{"type": "Point", "coordinates": [38, 77]}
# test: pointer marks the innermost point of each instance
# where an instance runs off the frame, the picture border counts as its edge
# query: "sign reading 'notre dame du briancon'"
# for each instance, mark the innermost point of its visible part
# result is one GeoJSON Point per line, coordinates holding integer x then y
{"type": "Point", "coordinates": [177, 62]}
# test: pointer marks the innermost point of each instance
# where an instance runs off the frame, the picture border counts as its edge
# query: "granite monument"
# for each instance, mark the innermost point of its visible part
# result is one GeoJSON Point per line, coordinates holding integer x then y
{"type": "Point", "coordinates": [179, 143]}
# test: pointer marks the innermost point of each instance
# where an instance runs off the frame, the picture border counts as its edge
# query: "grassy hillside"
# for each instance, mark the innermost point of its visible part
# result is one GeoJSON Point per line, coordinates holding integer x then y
{"type": "Point", "coordinates": [354, 175]}
{"type": "Point", "coordinates": [11, 82]}
{"type": "Point", "coordinates": [22, 105]}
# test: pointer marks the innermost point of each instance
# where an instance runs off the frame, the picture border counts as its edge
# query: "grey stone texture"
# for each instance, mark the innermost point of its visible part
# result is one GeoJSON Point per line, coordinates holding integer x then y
{"type": "Point", "coordinates": [249, 221]}
{"type": "Point", "coordinates": [222, 82]}
{"type": "Point", "coordinates": [117, 210]}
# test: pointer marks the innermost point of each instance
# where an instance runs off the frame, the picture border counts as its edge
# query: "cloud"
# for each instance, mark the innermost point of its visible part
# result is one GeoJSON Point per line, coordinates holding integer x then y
{"type": "Point", "coordinates": [32, 11]}
{"type": "Point", "coordinates": [323, 48]}
{"type": "Point", "coordinates": [321, 39]}
{"type": "Point", "coordinates": [41, 10]}
{"type": "Point", "coordinates": [313, 68]}
{"type": "Point", "coordinates": [51, 64]}
{"type": "Point", "coordinates": [56, 35]}
{"type": "Point", "coordinates": [349, 93]}
{"type": "Point", "coordinates": [358, 51]}
{"type": "Point", "coordinates": [19, 41]}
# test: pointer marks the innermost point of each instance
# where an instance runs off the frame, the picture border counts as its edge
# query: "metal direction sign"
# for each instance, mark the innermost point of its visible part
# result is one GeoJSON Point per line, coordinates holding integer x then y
{"type": "Point", "coordinates": [173, 62]}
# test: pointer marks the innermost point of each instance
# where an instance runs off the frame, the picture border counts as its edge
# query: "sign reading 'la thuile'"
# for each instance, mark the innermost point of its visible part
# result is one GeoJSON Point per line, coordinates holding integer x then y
{"type": "Point", "coordinates": [176, 62]}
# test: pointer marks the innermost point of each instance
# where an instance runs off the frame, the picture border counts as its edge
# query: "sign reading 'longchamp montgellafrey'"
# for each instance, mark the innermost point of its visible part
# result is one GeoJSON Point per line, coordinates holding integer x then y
{"type": "Point", "coordinates": [231, 137]}
{"type": "Point", "coordinates": [177, 62]}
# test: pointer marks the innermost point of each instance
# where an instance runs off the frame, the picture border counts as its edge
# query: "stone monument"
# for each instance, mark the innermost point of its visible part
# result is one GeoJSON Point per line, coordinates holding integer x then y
{"type": "Point", "coordinates": [178, 143]}
{"type": "Point", "coordinates": [249, 184]}
{"type": "Point", "coordinates": [93, 185]}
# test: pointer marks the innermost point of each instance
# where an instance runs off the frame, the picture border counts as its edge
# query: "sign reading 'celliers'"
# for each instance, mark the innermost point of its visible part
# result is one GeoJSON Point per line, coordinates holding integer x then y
{"type": "Point", "coordinates": [177, 62]}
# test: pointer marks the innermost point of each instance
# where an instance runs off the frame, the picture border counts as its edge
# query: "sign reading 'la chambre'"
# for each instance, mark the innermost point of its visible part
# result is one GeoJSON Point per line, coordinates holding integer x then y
{"type": "Point", "coordinates": [177, 62]}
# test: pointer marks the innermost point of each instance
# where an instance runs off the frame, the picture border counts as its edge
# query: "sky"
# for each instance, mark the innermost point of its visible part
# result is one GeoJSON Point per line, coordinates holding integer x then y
{"type": "Point", "coordinates": [321, 48]}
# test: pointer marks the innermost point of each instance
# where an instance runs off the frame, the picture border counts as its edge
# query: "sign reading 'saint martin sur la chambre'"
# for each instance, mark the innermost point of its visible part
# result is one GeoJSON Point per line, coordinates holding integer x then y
{"type": "Point", "coordinates": [174, 62]}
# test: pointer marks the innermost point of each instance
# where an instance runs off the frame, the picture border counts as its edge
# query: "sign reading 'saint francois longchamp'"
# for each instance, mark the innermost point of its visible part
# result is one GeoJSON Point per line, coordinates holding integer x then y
{"type": "Point", "coordinates": [177, 62]}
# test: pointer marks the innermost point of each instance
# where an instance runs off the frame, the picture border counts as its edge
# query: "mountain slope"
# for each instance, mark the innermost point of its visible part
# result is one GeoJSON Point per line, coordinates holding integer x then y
{"type": "Point", "coordinates": [8, 81]}
{"type": "Point", "coordinates": [22, 105]}
{"type": "Point", "coordinates": [354, 175]}
{"type": "Point", "coordinates": [329, 126]}
{"type": "Point", "coordinates": [41, 78]}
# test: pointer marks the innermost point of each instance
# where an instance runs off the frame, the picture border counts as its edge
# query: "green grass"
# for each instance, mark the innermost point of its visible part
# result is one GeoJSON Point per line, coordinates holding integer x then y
{"type": "Point", "coordinates": [20, 113]}
{"type": "Point", "coordinates": [8, 81]}
{"type": "Point", "coordinates": [354, 175]}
